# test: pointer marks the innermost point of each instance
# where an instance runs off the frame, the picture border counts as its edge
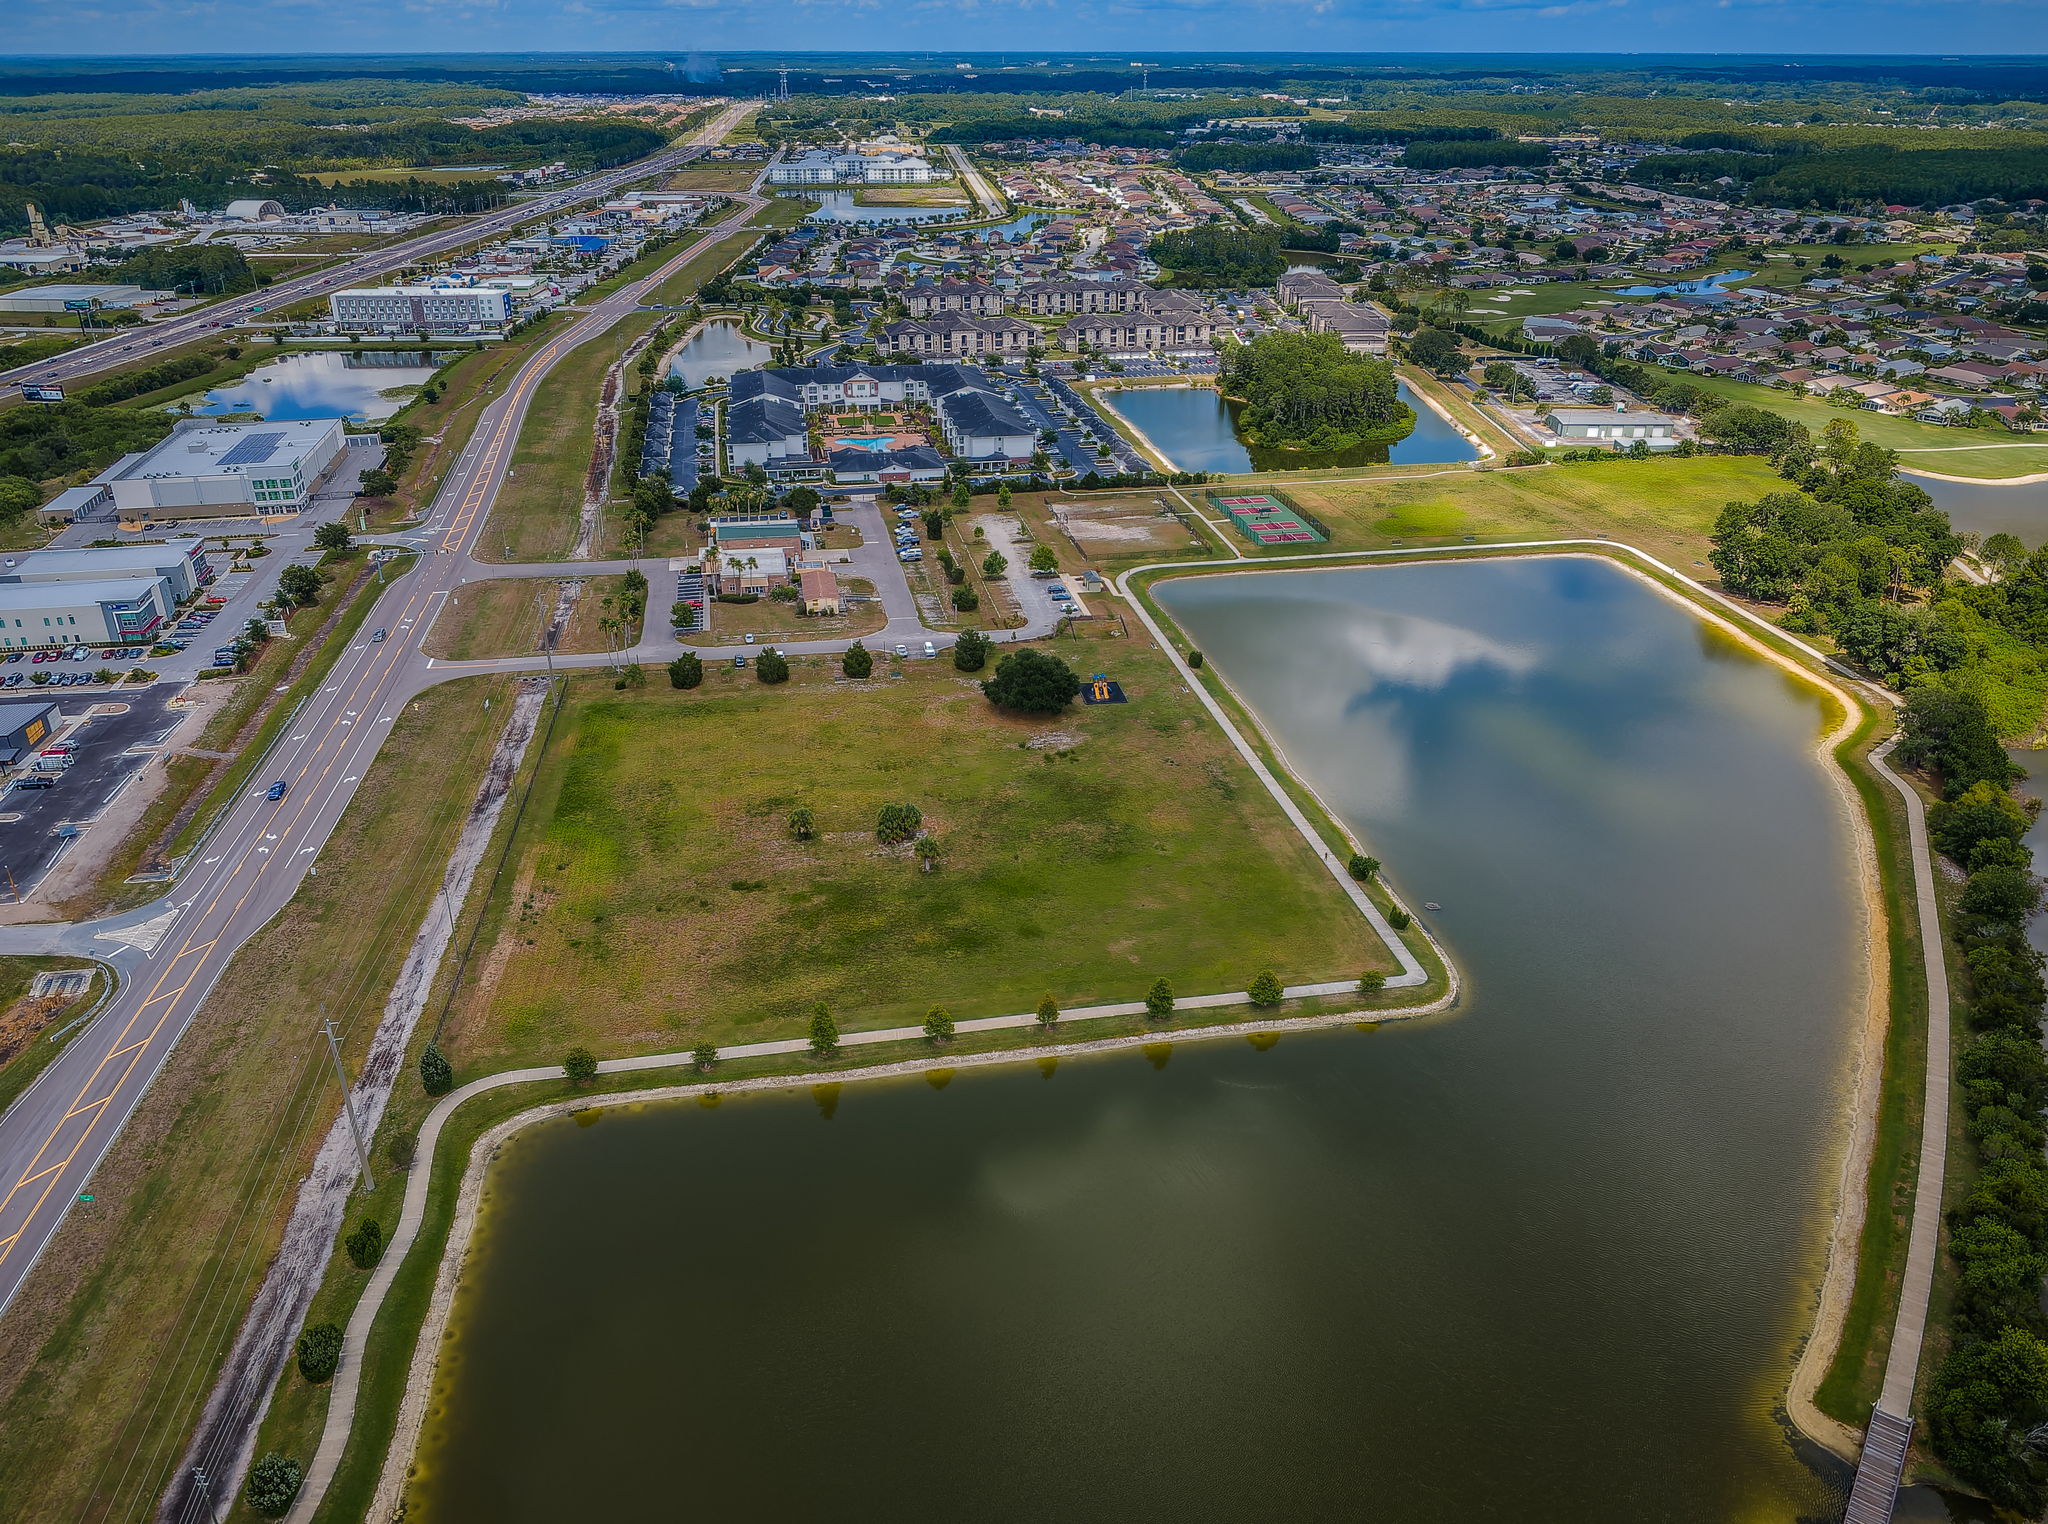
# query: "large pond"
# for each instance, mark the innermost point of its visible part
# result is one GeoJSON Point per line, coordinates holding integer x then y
{"type": "Point", "coordinates": [1195, 428]}
{"type": "Point", "coordinates": [1711, 285]}
{"type": "Point", "coordinates": [367, 385]}
{"type": "Point", "coordinates": [1992, 507]}
{"type": "Point", "coordinates": [715, 351]}
{"type": "Point", "coordinates": [1547, 1256]}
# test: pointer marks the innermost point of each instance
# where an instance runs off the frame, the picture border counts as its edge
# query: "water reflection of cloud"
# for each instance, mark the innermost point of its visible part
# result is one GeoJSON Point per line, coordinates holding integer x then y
{"type": "Point", "coordinates": [1412, 652]}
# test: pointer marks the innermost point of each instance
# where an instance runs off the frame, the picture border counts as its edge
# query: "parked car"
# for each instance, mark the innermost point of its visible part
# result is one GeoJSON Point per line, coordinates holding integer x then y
{"type": "Point", "coordinates": [930, 649]}
{"type": "Point", "coordinates": [35, 780]}
{"type": "Point", "coordinates": [739, 661]}
{"type": "Point", "coordinates": [81, 654]}
{"type": "Point", "coordinates": [750, 637]}
{"type": "Point", "coordinates": [16, 679]}
{"type": "Point", "coordinates": [276, 790]}
{"type": "Point", "coordinates": [902, 650]}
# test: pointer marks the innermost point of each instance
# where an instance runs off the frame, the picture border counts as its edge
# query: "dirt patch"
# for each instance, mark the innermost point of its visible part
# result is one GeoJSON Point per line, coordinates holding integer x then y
{"type": "Point", "coordinates": [26, 1018]}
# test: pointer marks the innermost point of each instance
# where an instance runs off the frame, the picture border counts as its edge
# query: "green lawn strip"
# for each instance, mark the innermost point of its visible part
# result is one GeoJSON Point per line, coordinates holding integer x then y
{"type": "Point", "coordinates": [307, 684]}
{"type": "Point", "coordinates": [1467, 413]}
{"type": "Point", "coordinates": [293, 1428]}
{"type": "Point", "coordinates": [16, 974]}
{"type": "Point", "coordinates": [683, 285]}
{"type": "Point", "coordinates": [96, 1369]}
{"type": "Point", "coordinates": [535, 515]}
{"type": "Point", "coordinates": [1850, 1387]}
{"type": "Point", "coordinates": [1059, 869]}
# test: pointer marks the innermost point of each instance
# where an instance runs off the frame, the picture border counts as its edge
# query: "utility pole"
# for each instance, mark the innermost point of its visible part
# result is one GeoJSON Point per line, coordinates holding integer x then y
{"type": "Point", "coordinates": [348, 1105]}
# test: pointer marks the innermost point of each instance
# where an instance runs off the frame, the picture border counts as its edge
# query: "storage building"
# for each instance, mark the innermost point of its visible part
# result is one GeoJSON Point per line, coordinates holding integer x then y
{"type": "Point", "coordinates": [181, 563]}
{"type": "Point", "coordinates": [117, 611]}
{"type": "Point", "coordinates": [224, 470]}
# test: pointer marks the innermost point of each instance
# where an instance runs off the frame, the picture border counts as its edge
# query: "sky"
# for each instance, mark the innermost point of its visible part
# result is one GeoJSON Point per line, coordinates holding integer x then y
{"type": "Point", "coordinates": [1932, 27]}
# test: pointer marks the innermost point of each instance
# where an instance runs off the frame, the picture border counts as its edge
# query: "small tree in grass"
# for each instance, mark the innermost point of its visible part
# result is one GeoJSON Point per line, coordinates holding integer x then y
{"type": "Point", "coordinates": [966, 599]}
{"type": "Point", "coordinates": [580, 1064]}
{"type": "Point", "coordinates": [1044, 559]}
{"type": "Point", "coordinates": [1371, 982]}
{"type": "Point", "coordinates": [1048, 1011]}
{"type": "Point", "coordinates": [994, 564]}
{"type": "Point", "coordinates": [1399, 919]}
{"type": "Point", "coordinates": [686, 671]}
{"type": "Point", "coordinates": [1159, 1000]}
{"type": "Point", "coordinates": [803, 825]}
{"type": "Point", "coordinates": [703, 1056]}
{"type": "Point", "coordinates": [274, 1482]}
{"type": "Point", "coordinates": [824, 1033]}
{"type": "Point", "coordinates": [970, 651]}
{"type": "Point", "coordinates": [333, 536]}
{"type": "Point", "coordinates": [365, 1246]}
{"type": "Point", "coordinates": [858, 662]}
{"type": "Point", "coordinates": [1195, 658]}
{"type": "Point", "coordinates": [1363, 868]}
{"type": "Point", "coordinates": [927, 852]}
{"type": "Point", "coordinates": [938, 1024]}
{"type": "Point", "coordinates": [897, 823]}
{"type": "Point", "coordinates": [773, 667]}
{"type": "Point", "coordinates": [1031, 682]}
{"type": "Point", "coordinates": [319, 1352]}
{"type": "Point", "coordinates": [436, 1077]}
{"type": "Point", "coordinates": [1265, 989]}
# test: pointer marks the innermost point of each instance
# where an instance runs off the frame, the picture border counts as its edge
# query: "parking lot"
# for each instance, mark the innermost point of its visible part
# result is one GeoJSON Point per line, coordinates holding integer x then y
{"type": "Point", "coordinates": [120, 733]}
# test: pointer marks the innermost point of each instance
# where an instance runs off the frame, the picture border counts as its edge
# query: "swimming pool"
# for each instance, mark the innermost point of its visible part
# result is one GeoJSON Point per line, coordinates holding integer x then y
{"type": "Point", "coordinates": [872, 442]}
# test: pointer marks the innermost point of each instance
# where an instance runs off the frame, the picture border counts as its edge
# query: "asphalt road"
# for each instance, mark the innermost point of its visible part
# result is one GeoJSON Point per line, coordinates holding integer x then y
{"type": "Point", "coordinates": [136, 343]}
{"type": "Point", "coordinates": [169, 954]}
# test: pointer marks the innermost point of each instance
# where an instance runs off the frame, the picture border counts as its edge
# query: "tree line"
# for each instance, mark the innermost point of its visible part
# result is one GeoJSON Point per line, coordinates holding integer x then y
{"type": "Point", "coordinates": [1306, 391]}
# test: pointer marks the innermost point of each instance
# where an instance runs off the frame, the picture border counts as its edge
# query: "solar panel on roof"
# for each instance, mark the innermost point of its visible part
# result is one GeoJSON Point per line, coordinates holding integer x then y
{"type": "Point", "coordinates": [252, 450]}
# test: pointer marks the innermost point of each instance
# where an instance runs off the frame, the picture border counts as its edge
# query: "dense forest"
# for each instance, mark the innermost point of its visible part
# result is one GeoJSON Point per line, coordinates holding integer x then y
{"type": "Point", "coordinates": [1240, 158]}
{"type": "Point", "coordinates": [1220, 256]}
{"type": "Point", "coordinates": [1306, 391]}
{"type": "Point", "coordinates": [82, 158]}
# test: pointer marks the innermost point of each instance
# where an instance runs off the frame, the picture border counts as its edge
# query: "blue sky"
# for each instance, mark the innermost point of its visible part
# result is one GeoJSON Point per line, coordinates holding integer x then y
{"type": "Point", "coordinates": [1932, 27]}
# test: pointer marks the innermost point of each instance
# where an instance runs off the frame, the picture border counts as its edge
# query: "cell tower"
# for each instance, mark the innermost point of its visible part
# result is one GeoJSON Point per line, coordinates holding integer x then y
{"type": "Point", "coordinates": [782, 84]}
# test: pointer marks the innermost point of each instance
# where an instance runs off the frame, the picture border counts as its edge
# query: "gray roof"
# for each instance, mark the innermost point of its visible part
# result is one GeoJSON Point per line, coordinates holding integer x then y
{"type": "Point", "coordinates": [984, 413]}
{"type": "Point", "coordinates": [763, 420]}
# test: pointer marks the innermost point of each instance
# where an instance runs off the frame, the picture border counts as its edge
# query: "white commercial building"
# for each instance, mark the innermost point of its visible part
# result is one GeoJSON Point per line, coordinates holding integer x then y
{"type": "Point", "coordinates": [181, 563]}
{"type": "Point", "coordinates": [412, 309]}
{"type": "Point", "coordinates": [821, 166]}
{"type": "Point", "coordinates": [1614, 428]}
{"type": "Point", "coordinates": [69, 297]}
{"type": "Point", "coordinates": [224, 470]}
{"type": "Point", "coordinates": [113, 612]}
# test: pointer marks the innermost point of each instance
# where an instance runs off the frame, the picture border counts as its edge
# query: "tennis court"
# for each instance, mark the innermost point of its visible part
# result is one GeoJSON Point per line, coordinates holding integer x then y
{"type": "Point", "coordinates": [1267, 520]}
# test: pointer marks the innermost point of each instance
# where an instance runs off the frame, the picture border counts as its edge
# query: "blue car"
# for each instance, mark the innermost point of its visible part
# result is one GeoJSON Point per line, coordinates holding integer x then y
{"type": "Point", "coordinates": [276, 790]}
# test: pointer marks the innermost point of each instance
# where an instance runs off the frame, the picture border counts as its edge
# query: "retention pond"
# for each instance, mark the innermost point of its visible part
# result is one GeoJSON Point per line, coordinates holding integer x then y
{"type": "Point", "coordinates": [1548, 1256]}
{"type": "Point", "coordinates": [1196, 429]}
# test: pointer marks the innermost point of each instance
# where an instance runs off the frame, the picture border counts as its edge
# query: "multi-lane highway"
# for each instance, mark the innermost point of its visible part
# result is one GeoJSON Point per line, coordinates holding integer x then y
{"type": "Point", "coordinates": [170, 954]}
{"type": "Point", "coordinates": [134, 343]}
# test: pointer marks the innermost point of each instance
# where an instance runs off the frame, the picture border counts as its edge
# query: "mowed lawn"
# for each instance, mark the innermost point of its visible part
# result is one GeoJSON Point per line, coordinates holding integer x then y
{"type": "Point", "coordinates": [1666, 507]}
{"type": "Point", "coordinates": [657, 899]}
{"type": "Point", "coordinates": [505, 616]}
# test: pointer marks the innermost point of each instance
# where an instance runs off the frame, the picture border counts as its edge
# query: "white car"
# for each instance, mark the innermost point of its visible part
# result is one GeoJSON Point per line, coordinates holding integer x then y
{"type": "Point", "coordinates": [930, 649]}
{"type": "Point", "coordinates": [902, 650]}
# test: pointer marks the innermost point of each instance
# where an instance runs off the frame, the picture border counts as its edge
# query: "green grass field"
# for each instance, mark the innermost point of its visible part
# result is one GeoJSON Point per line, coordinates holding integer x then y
{"type": "Point", "coordinates": [655, 897]}
{"type": "Point", "coordinates": [505, 617]}
{"type": "Point", "coordinates": [1985, 453]}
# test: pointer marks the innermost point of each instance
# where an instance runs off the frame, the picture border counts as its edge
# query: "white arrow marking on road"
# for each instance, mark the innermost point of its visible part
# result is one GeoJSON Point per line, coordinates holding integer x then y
{"type": "Point", "coordinates": [304, 850]}
{"type": "Point", "coordinates": [204, 861]}
{"type": "Point", "coordinates": [263, 849]}
{"type": "Point", "coordinates": [270, 836]}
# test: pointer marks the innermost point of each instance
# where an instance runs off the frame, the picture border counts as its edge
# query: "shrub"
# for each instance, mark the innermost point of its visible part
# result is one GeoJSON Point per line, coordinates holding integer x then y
{"type": "Point", "coordinates": [1194, 658]}
{"type": "Point", "coordinates": [319, 1352]}
{"type": "Point", "coordinates": [1048, 1011]}
{"type": "Point", "coordinates": [686, 671]}
{"type": "Point", "coordinates": [1371, 982]}
{"type": "Point", "coordinates": [580, 1064]}
{"type": "Point", "coordinates": [773, 667]}
{"type": "Point", "coordinates": [1265, 989]}
{"type": "Point", "coordinates": [938, 1024]}
{"type": "Point", "coordinates": [399, 1148]}
{"type": "Point", "coordinates": [1159, 1000]}
{"type": "Point", "coordinates": [966, 599]}
{"type": "Point", "coordinates": [1362, 867]}
{"type": "Point", "coordinates": [436, 1077]}
{"type": "Point", "coordinates": [858, 662]}
{"type": "Point", "coordinates": [365, 1246]}
{"type": "Point", "coordinates": [1399, 919]}
{"type": "Point", "coordinates": [703, 1056]}
{"type": "Point", "coordinates": [274, 1482]}
{"type": "Point", "coordinates": [970, 651]}
{"type": "Point", "coordinates": [897, 823]}
{"type": "Point", "coordinates": [803, 825]}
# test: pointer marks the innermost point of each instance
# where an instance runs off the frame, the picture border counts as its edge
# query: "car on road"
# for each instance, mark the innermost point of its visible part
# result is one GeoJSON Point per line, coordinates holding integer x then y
{"type": "Point", "coordinates": [930, 649]}
{"type": "Point", "coordinates": [276, 790]}
{"type": "Point", "coordinates": [378, 636]}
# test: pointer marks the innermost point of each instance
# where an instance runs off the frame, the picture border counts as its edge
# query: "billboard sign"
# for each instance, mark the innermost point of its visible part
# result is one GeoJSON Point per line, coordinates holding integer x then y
{"type": "Point", "coordinates": [41, 393]}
